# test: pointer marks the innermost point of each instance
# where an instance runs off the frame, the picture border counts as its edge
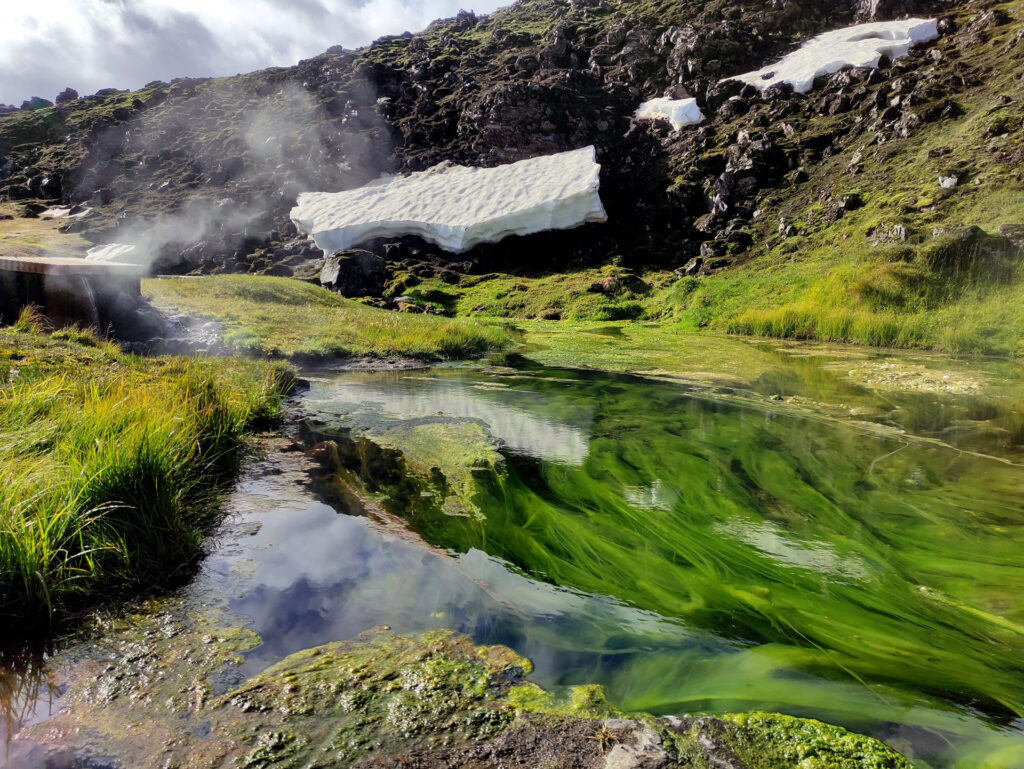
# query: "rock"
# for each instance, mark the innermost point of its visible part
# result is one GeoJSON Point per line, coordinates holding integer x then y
{"type": "Point", "coordinates": [693, 266]}
{"type": "Point", "coordinates": [888, 233]}
{"type": "Point", "coordinates": [68, 94]}
{"type": "Point", "coordinates": [1014, 233]}
{"type": "Point", "coordinates": [972, 252]}
{"type": "Point", "coordinates": [35, 103]}
{"type": "Point", "coordinates": [354, 273]}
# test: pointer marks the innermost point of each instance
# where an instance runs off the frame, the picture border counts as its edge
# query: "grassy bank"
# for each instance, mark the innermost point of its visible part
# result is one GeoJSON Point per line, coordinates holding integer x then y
{"type": "Point", "coordinates": [284, 317]}
{"type": "Point", "coordinates": [109, 464]}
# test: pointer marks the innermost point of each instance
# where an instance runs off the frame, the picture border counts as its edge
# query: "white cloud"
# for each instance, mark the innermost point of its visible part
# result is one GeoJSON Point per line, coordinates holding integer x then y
{"type": "Point", "coordinates": [93, 44]}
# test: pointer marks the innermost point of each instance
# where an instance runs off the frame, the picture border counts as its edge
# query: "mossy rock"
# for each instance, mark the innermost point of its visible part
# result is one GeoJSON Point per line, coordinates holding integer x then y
{"type": "Point", "coordinates": [388, 700]}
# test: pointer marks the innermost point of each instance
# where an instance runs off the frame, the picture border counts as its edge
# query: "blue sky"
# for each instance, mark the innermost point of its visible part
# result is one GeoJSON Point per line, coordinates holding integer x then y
{"type": "Point", "coordinates": [47, 45]}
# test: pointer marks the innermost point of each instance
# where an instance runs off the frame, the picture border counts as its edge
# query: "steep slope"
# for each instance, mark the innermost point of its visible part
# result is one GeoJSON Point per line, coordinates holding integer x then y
{"type": "Point", "coordinates": [764, 194]}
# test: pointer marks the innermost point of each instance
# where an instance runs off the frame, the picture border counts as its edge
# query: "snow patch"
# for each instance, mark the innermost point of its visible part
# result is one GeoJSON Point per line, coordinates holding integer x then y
{"type": "Point", "coordinates": [458, 207]}
{"type": "Point", "coordinates": [122, 253]}
{"type": "Point", "coordinates": [678, 112]}
{"type": "Point", "coordinates": [861, 45]}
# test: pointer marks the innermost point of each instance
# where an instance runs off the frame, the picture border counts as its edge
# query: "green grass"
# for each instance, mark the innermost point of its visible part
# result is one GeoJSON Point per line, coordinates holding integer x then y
{"type": "Point", "coordinates": [285, 317]}
{"type": "Point", "coordinates": [110, 464]}
{"type": "Point", "coordinates": [829, 282]}
{"type": "Point", "coordinates": [556, 296]}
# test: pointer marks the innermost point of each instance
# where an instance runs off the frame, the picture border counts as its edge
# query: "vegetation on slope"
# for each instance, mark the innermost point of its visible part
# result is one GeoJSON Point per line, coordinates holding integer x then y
{"type": "Point", "coordinates": [282, 316]}
{"type": "Point", "coordinates": [109, 464]}
{"type": "Point", "coordinates": [865, 245]}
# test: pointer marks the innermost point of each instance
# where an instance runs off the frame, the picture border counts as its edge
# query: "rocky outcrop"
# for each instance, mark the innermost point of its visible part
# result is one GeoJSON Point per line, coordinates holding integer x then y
{"type": "Point", "coordinates": [534, 79]}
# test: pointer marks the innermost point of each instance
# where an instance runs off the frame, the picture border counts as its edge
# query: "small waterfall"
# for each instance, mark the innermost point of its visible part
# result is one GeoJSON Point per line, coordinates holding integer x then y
{"type": "Point", "coordinates": [91, 310]}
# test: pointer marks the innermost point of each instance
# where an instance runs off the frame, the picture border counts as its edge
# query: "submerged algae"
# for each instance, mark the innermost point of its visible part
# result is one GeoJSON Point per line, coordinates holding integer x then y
{"type": "Point", "coordinates": [828, 554]}
{"type": "Point", "coordinates": [387, 700]}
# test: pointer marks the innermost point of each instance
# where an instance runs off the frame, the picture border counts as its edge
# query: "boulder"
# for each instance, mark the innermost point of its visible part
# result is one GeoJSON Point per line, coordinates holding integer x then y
{"type": "Point", "coordinates": [68, 94]}
{"type": "Point", "coordinates": [971, 252]}
{"type": "Point", "coordinates": [36, 103]}
{"type": "Point", "coordinates": [354, 273]}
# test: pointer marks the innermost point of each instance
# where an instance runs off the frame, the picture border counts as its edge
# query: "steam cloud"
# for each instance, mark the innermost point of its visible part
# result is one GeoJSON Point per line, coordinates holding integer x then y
{"type": "Point", "coordinates": [274, 150]}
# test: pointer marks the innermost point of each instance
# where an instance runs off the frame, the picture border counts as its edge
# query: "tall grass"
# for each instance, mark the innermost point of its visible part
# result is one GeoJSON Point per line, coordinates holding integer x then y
{"type": "Point", "coordinates": [805, 320]}
{"type": "Point", "coordinates": [109, 466]}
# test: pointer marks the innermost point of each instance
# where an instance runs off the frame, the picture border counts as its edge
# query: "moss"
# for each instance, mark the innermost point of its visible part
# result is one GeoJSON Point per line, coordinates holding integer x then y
{"type": "Point", "coordinates": [808, 744]}
{"type": "Point", "coordinates": [375, 696]}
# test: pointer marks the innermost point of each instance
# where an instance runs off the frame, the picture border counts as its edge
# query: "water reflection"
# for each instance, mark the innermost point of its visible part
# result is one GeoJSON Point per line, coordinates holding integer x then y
{"type": "Point", "coordinates": [306, 575]}
{"type": "Point", "coordinates": [26, 696]}
{"type": "Point", "coordinates": [847, 572]}
{"type": "Point", "coordinates": [521, 419]}
{"type": "Point", "coordinates": [685, 552]}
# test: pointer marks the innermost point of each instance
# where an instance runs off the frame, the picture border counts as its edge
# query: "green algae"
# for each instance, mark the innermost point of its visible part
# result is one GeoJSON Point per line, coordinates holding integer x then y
{"type": "Point", "coordinates": [142, 699]}
{"type": "Point", "coordinates": [846, 550]}
{"type": "Point", "coordinates": [769, 740]}
{"type": "Point", "coordinates": [451, 454]}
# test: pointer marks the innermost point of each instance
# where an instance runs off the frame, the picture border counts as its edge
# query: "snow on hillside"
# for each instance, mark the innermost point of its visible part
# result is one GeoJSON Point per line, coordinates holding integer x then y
{"type": "Point", "coordinates": [458, 207]}
{"type": "Point", "coordinates": [113, 252]}
{"type": "Point", "coordinates": [678, 112]}
{"type": "Point", "coordinates": [862, 45]}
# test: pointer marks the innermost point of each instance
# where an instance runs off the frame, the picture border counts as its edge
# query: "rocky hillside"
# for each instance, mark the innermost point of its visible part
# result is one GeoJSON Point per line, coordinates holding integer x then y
{"type": "Point", "coordinates": [204, 172]}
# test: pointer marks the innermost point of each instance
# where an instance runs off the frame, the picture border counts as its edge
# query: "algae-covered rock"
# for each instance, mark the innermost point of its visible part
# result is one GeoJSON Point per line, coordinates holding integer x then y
{"type": "Point", "coordinates": [145, 699]}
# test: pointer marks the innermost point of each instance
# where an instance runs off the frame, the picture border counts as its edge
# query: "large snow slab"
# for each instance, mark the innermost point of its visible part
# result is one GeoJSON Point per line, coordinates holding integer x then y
{"type": "Point", "coordinates": [678, 112]}
{"type": "Point", "coordinates": [862, 45]}
{"type": "Point", "coordinates": [458, 207]}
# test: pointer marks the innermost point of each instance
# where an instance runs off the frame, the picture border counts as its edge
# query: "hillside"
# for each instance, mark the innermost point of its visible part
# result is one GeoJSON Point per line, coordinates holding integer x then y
{"type": "Point", "coordinates": [839, 213]}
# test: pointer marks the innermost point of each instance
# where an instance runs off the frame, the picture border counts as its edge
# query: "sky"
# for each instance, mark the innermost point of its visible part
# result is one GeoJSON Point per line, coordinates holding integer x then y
{"type": "Point", "coordinates": [48, 45]}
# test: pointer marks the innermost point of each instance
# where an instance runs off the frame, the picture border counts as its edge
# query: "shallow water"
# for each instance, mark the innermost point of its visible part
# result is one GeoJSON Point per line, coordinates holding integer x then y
{"type": "Point", "coordinates": [847, 554]}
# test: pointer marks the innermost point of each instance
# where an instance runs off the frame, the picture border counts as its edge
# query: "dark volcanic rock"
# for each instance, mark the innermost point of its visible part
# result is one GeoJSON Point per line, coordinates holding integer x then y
{"type": "Point", "coordinates": [68, 94]}
{"type": "Point", "coordinates": [354, 273]}
{"type": "Point", "coordinates": [538, 77]}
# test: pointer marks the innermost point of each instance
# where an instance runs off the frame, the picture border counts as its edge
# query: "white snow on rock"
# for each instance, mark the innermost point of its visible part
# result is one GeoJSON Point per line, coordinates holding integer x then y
{"type": "Point", "coordinates": [114, 252]}
{"type": "Point", "coordinates": [458, 207]}
{"type": "Point", "coordinates": [862, 45]}
{"type": "Point", "coordinates": [679, 112]}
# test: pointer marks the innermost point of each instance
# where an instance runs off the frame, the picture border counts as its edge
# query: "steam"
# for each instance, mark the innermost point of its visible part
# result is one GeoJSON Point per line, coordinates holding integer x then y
{"type": "Point", "coordinates": [229, 174]}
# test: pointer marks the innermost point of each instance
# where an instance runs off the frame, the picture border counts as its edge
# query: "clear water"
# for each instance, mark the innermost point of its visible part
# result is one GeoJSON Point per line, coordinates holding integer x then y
{"type": "Point", "coordinates": [690, 549]}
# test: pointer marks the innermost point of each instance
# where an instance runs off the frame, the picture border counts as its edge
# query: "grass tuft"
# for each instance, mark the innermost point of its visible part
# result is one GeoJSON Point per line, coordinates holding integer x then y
{"type": "Point", "coordinates": [110, 465]}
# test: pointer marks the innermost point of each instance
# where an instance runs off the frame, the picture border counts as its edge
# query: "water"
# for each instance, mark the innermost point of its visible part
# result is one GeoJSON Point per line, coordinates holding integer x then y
{"type": "Point", "coordinates": [691, 549]}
